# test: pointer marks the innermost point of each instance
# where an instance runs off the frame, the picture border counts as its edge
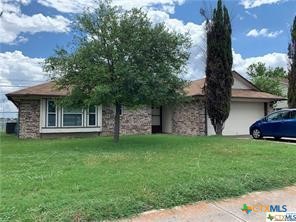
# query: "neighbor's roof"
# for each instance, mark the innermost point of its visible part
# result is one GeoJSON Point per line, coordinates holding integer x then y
{"type": "Point", "coordinates": [194, 89]}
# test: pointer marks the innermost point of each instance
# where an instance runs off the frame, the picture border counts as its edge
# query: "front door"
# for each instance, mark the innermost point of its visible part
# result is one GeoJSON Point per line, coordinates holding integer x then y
{"type": "Point", "coordinates": [156, 120]}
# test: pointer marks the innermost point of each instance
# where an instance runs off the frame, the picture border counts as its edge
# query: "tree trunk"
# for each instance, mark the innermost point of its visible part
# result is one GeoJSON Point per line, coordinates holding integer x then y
{"type": "Point", "coordinates": [219, 129]}
{"type": "Point", "coordinates": [117, 123]}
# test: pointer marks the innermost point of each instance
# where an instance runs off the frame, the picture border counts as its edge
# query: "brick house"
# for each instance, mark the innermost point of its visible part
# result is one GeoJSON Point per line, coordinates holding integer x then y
{"type": "Point", "coordinates": [40, 117]}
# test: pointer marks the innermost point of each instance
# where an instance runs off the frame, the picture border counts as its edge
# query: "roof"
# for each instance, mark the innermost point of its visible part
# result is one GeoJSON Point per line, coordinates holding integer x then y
{"type": "Point", "coordinates": [194, 89]}
{"type": "Point", "coordinates": [45, 89]}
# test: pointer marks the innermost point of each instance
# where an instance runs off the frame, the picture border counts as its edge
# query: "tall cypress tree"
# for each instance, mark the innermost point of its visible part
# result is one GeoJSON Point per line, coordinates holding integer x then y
{"type": "Point", "coordinates": [219, 79]}
{"type": "Point", "coordinates": [292, 70]}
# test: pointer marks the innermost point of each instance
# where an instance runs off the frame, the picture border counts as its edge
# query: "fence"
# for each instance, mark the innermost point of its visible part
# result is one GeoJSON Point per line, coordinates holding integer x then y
{"type": "Point", "coordinates": [7, 117]}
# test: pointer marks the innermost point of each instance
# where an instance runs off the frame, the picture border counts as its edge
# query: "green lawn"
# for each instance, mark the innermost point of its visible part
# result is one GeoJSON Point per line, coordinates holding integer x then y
{"type": "Point", "coordinates": [95, 179]}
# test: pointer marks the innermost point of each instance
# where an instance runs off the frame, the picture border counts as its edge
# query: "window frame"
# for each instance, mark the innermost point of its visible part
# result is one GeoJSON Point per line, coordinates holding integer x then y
{"type": "Point", "coordinates": [88, 113]}
{"type": "Point", "coordinates": [65, 113]}
{"type": "Point", "coordinates": [51, 113]}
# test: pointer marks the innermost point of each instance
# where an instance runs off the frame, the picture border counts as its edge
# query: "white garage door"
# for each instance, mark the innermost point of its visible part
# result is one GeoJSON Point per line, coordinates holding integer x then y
{"type": "Point", "coordinates": [242, 116]}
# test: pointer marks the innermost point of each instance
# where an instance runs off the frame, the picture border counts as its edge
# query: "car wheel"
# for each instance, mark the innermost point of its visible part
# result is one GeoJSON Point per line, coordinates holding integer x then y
{"type": "Point", "coordinates": [256, 134]}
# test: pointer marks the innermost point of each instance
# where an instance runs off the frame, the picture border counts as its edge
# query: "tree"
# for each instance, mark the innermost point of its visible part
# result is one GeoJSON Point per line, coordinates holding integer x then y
{"type": "Point", "coordinates": [292, 69]}
{"type": "Point", "coordinates": [120, 58]}
{"type": "Point", "coordinates": [267, 79]}
{"type": "Point", "coordinates": [219, 79]}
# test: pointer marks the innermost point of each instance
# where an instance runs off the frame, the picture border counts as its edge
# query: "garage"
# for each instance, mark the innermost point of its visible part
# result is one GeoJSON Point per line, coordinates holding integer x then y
{"type": "Point", "coordinates": [242, 115]}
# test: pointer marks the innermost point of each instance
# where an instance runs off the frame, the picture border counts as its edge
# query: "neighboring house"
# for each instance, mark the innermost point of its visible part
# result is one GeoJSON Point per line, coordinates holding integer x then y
{"type": "Point", "coordinates": [283, 104]}
{"type": "Point", "coordinates": [40, 117]}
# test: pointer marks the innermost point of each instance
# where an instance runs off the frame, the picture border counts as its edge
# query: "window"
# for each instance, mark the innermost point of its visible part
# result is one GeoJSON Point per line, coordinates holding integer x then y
{"type": "Point", "coordinates": [72, 117]}
{"type": "Point", "coordinates": [51, 113]}
{"type": "Point", "coordinates": [278, 116]}
{"type": "Point", "coordinates": [92, 116]}
{"type": "Point", "coordinates": [156, 116]}
{"type": "Point", "coordinates": [293, 114]}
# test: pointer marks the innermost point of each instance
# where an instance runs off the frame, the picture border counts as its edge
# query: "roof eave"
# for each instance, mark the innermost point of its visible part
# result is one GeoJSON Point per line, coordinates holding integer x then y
{"type": "Point", "coordinates": [238, 97]}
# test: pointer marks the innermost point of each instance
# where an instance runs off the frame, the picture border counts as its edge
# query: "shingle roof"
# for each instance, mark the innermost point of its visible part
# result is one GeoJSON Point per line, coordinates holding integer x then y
{"type": "Point", "coordinates": [45, 89]}
{"type": "Point", "coordinates": [194, 89]}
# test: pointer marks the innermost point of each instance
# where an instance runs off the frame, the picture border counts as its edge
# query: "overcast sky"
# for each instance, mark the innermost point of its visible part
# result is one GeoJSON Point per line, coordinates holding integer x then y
{"type": "Point", "coordinates": [31, 29]}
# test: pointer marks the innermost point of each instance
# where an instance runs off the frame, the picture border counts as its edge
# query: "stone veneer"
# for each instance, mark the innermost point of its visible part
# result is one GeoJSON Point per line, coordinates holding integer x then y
{"type": "Point", "coordinates": [189, 118]}
{"type": "Point", "coordinates": [29, 118]}
{"type": "Point", "coordinates": [132, 121]}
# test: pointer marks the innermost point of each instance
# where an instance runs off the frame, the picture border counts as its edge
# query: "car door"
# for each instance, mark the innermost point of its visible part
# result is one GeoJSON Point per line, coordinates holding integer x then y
{"type": "Point", "coordinates": [288, 127]}
{"type": "Point", "coordinates": [273, 123]}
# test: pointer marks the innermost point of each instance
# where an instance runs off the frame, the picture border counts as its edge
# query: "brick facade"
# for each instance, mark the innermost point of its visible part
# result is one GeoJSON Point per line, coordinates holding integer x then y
{"type": "Point", "coordinates": [189, 118]}
{"type": "Point", "coordinates": [132, 121]}
{"type": "Point", "coordinates": [29, 118]}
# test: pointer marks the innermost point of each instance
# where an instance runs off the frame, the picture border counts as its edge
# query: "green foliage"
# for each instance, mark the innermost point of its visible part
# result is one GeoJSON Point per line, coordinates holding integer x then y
{"type": "Point", "coordinates": [93, 179]}
{"type": "Point", "coordinates": [219, 77]}
{"type": "Point", "coordinates": [292, 70]}
{"type": "Point", "coordinates": [120, 57]}
{"type": "Point", "coordinates": [267, 79]}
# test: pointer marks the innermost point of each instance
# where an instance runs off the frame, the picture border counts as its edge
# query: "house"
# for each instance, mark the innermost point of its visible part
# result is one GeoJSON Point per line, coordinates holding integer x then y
{"type": "Point", "coordinates": [40, 117]}
{"type": "Point", "coordinates": [284, 103]}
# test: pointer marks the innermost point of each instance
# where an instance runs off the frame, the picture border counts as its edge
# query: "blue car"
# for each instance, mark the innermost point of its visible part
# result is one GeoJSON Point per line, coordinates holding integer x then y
{"type": "Point", "coordinates": [277, 124]}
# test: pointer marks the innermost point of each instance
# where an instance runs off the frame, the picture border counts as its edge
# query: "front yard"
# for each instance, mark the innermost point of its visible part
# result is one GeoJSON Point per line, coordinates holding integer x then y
{"type": "Point", "coordinates": [95, 179]}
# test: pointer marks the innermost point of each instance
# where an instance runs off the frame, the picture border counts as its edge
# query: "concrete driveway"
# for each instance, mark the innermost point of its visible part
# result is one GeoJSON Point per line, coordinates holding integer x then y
{"type": "Point", "coordinates": [229, 210]}
{"type": "Point", "coordinates": [271, 139]}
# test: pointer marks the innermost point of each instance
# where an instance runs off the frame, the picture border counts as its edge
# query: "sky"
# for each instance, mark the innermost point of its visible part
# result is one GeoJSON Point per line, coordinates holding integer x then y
{"type": "Point", "coordinates": [30, 30]}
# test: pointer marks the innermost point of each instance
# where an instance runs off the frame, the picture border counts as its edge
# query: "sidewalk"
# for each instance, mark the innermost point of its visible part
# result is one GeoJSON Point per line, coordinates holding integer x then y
{"type": "Point", "coordinates": [228, 210]}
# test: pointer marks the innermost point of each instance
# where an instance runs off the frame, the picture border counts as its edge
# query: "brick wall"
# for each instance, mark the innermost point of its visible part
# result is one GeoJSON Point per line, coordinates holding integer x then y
{"type": "Point", "coordinates": [132, 121]}
{"type": "Point", "coordinates": [29, 118]}
{"type": "Point", "coordinates": [189, 118]}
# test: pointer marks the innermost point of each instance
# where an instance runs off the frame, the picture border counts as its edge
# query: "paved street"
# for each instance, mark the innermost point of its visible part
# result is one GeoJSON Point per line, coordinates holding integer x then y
{"type": "Point", "coordinates": [228, 210]}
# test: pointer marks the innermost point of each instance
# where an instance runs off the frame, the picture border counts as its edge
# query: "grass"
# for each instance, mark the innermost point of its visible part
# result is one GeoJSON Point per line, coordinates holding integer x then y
{"type": "Point", "coordinates": [95, 179]}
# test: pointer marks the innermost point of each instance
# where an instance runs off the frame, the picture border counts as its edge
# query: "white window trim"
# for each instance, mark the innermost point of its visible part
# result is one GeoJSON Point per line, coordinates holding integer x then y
{"type": "Point", "coordinates": [62, 118]}
{"type": "Point", "coordinates": [59, 128]}
{"type": "Point", "coordinates": [96, 117]}
{"type": "Point", "coordinates": [71, 130]}
{"type": "Point", "coordinates": [47, 113]}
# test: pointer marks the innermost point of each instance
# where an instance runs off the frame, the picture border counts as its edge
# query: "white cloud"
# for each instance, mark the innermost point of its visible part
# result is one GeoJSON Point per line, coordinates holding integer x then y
{"type": "Point", "coordinates": [272, 60]}
{"type": "Point", "coordinates": [70, 6]}
{"type": "Point", "coordinates": [251, 14]}
{"type": "Point", "coordinates": [264, 33]}
{"type": "Point", "coordinates": [18, 70]}
{"type": "Point", "coordinates": [256, 3]}
{"type": "Point", "coordinates": [196, 63]}
{"type": "Point", "coordinates": [14, 23]}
